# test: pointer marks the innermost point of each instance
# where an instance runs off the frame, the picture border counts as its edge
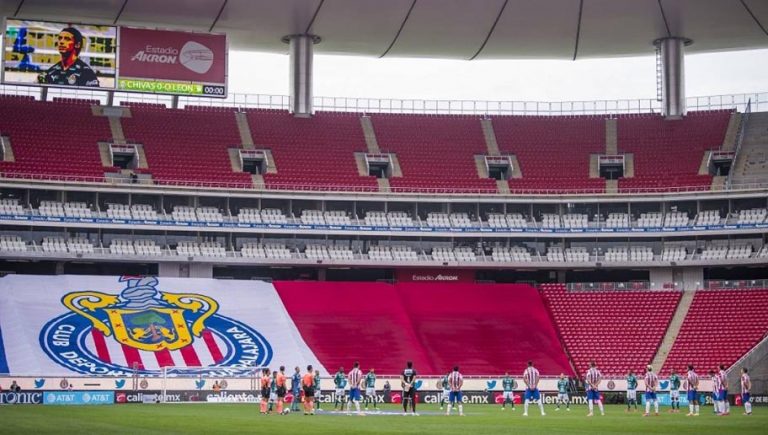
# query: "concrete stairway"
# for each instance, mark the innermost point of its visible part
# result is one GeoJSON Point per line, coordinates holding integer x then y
{"type": "Point", "coordinates": [490, 137]}
{"type": "Point", "coordinates": [370, 135]}
{"type": "Point", "coordinates": [673, 329]}
{"type": "Point", "coordinates": [8, 155]}
{"type": "Point", "coordinates": [729, 142]}
{"type": "Point", "coordinates": [611, 137]}
{"type": "Point", "coordinates": [245, 130]}
{"type": "Point", "coordinates": [751, 164]}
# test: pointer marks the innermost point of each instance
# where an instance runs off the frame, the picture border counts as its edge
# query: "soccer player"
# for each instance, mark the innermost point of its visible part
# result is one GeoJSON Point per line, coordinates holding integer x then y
{"type": "Point", "coordinates": [631, 390]}
{"type": "Point", "coordinates": [70, 70]}
{"type": "Point", "coordinates": [355, 377]}
{"type": "Point", "coordinates": [318, 391]}
{"type": "Point", "coordinates": [716, 387]}
{"type": "Point", "coordinates": [593, 378]}
{"type": "Point", "coordinates": [339, 382]}
{"type": "Point", "coordinates": [674, 391]}
{"type": "Point", "coordinates": [280, 381]}
{"type": "Point", "coordinates": [308, 384]}
{"type": "Point", "coordinates": [272, 392]}
{"type": "Point", "coordinates": [692, 386]}
{"type": "Point", "coordinates": [446, 391]}
{"type": "Point", "coordinates": [265, 382]}
{"type": "Point", "coordinates": [508, 385]}
{"type": "Point", "coordinates": [724, 390]}
{"type": "Point", "coordinates": [651, 385]}
{"type": "Point", "coordinates": [455, 382]}
{"type": "Point", "coordinates": [746, 385]}
{"type": "Point", "coordinates": [370, 389]}
{"type": "Point", "coordinates": [407, 381]}
{"type": "Point", "coordinates": [531, 379]}
{"type": "Point", "coordinates": [562, 393]}
{"type": "Point", "coordinates": [296, 389]}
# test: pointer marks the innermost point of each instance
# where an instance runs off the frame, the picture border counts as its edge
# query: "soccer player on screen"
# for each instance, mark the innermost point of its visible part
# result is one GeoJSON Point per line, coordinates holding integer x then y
{"type": "Point", "coordinates": [746, 385]}
{"type": "Point", "coordinates": [717, 387]}
{"type": "Point", "coordinates": [674, 391]}
{"type": "Point", "coordinates": [562, 393]}
{"type": "Point", "coordinates": [651, 385]}
{"type": "Point", "coordinates": [70, 70]}
{"type": "Point", "coordinates": [508, 394]}
{"type": "Point", "coordinates": [593, 378]}
{"type": "Point", "coordinates": [370, 389]}
{"type": "Point", "coordinates": [455, 382]}
{"type": "Point", "coordinates": [692, 386]}
{"type": "Point", "coordinates": [531, 379]}
{"type": "Point", "coordinates": [631, 390]}
{"type": "Point", "coordinates": [355, 377]}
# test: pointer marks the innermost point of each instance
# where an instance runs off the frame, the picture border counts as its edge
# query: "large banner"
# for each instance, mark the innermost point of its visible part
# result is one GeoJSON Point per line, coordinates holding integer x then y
{"type": "Point", "coordinates": [173, 62]}
{"type": "Point", "coordinates": [43, 53]}
{"type": "Point", "coordinates": [97, 325]}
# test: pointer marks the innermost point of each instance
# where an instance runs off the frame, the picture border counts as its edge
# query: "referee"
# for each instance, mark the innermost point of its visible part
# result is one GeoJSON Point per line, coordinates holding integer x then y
{"type": "Point", "coordinates": [407, 380]}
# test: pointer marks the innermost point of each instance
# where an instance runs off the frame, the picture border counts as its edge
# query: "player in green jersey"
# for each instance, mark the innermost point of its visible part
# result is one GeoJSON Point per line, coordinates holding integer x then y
{"type": "Point", "coordinates": [508, 394]}
{"type": "Point", "coordinates": [272, 392]}
{"type": "Point", "coordinates": [316, 386]}
{"type": "Point", "coordinates": [631, 390]}
{"type": "Point", "coordinates": [370, 389]}
{"type": "Point", "coordinates": [339, 382]}
{"type": "Point", "coordinates": [562, 393]}
{"type": "Point", "coordinates": [674, 391]}
{"type": "Point", "coordinates": [443, 383]}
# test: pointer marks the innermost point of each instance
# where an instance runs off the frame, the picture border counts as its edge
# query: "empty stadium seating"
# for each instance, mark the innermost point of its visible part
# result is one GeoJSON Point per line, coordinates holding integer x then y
{"type": "Point", "coordinates": [317, 151]}
{"type": "Point", "coordinates": [434, 151]}
{"type": "Point", "coordinates": [186, 145]}
{"type": "Point", "coordinates": [669, 153]}
{"type": "Point", "coordinates": [384, 325]}
{"type": "Point", "coordinates": [553, 152]}
{"type": "Point", "coordinates": [52, 139]}
{"type": "Point", "coordinates": [621, 330]}
{"type": "Point", "coordinates": [720, 327]}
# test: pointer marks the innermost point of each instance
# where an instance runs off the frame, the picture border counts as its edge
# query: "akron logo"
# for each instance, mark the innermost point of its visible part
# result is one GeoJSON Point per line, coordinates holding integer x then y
{"type": "Point", "coordinates": [142, 330]}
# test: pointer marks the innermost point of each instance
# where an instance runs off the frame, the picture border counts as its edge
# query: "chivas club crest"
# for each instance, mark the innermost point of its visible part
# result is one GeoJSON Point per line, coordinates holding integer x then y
{"type": "Point", "coordinates": [142, 330]}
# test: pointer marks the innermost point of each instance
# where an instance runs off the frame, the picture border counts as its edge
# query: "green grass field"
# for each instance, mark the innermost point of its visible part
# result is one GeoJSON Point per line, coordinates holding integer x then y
{"type": "Point", "coordinates": [242, 418]}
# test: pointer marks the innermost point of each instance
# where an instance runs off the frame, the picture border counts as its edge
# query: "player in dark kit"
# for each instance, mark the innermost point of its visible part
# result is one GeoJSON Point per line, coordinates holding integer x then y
{"type": "Point", "coordinates": [408, 380]}
{"type": "Point", "coordinates": [70, 70]}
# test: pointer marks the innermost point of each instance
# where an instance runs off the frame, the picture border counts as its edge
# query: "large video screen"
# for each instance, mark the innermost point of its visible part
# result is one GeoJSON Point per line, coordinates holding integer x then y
{"type": "Point", "coordinates": [45, 53]}
{"type": "Point", "coordinates": [173, 62]}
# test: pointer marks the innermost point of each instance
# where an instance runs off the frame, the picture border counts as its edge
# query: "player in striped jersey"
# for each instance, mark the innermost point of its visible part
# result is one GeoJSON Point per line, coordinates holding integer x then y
{"type": "Point", "coordinates": [724, 391]}
{"type": "Point", "coordinates": [355, 377]}
{"type": "Point", "coordinates": [562, 393]}
{"type": "Point", "coordinates": [692, 386]}
{"type": "Point", "coordinates": [674, 391]}
{"type": "Point", "coordinates": [370, 389]}
{"type": "Point", "coordinates": [651, 385]}
{"type": "Point", "coordinates": [508, 394]}
{"type": "Point", "coordinates": [631, 390]}
{"type": "Point", "coordinates": [455, 382]}
{"type": "Point", "coordinates": [531, 379]}
{"type": "Point", "coordinates": [746, 385]}
{"type": "Point", "coordinates": [593, 378]}
{"type": "Point", "coordinates": [717, 387]}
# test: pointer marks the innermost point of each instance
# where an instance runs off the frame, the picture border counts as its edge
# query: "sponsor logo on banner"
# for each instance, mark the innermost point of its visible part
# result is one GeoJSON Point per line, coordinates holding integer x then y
{"type": "Point", "coordinates": [434, 275]}
{"type": "Point", "coordinates": [165, 61]}
{"type": "Point", "coordinates": [78, 397]}
{"type": "Point", "coordinates": [35, 398]}
{"type": "Point", "coordinates": [141, 318]}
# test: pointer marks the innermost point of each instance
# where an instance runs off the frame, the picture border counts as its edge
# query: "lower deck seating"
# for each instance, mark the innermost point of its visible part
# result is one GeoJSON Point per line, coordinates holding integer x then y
{"type": "Point", "coordinates": [619, 330]}
{"type": "Point", "coordinates": [721, 326]}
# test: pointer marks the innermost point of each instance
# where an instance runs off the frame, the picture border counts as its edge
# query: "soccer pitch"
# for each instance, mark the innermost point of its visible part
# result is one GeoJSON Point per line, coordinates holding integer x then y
{"type": "Point", "coordinates": [244, 418]}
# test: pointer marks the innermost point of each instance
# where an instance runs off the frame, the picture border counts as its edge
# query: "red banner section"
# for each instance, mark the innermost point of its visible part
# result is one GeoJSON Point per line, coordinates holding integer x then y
{"type": "Point", "coordinates": [435, 275]}
{"type": "Point", "coordinates": [154, 56]}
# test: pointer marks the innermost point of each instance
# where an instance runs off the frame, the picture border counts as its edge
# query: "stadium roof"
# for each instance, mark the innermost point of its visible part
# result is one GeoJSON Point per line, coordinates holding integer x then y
{"type": "Point", "coordinates": [460, 29]}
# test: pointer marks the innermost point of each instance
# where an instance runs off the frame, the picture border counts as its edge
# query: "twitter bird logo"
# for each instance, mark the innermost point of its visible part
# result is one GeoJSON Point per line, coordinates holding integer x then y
{"type": "Point", "coordinates": [120, 383]}
{"type": "Point", "coordinates": [39, 383]}
{"type": "Point", "coordinates": [417, 384]}
{"type": "Point", "coordinates": [491, 385]}
{"type": "Point", "coordinates": [664, 384]}
{"type": "Point", "coordinates": [200, 384]}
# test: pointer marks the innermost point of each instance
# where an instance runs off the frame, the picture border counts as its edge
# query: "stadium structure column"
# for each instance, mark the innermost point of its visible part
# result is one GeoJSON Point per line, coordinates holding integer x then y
{"type": "Point", "coordinates": [300, 50]}
{"type": "Point", "coordinates": [672, 51]}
